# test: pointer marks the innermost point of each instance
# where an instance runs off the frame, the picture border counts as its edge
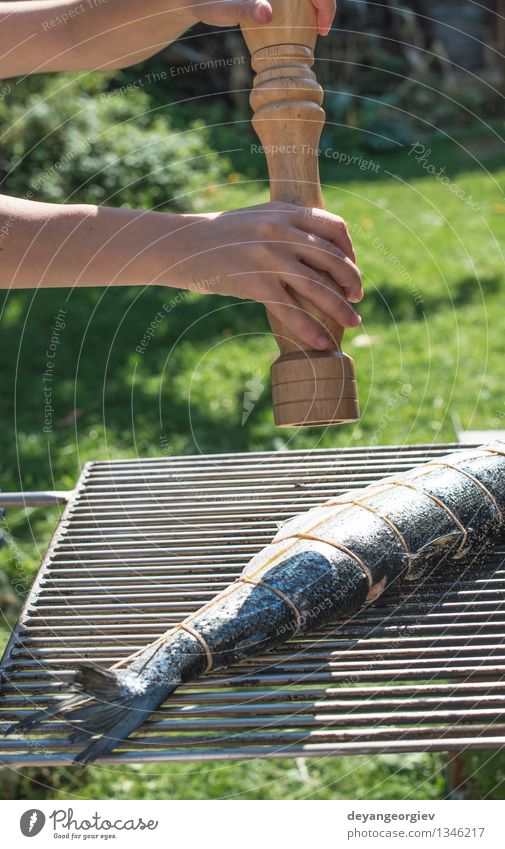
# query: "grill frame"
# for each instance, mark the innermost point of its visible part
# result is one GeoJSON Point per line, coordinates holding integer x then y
{"type": "Point", "coordinates": [316, 696]}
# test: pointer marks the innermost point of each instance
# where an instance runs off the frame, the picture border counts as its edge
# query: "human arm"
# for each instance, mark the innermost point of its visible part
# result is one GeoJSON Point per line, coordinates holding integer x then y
{"type": "Point", "coordinates": [81, 35]}
{"type": "Point", "coordinates": [268, 253]}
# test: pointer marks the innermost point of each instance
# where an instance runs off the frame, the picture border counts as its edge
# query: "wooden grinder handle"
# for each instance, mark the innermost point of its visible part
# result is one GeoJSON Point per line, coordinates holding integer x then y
{"type": "Point", "coordinates": [309, 387]}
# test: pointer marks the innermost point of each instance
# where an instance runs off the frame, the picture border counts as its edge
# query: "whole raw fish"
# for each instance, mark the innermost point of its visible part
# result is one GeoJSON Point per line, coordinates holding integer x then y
{"type": "Point", "coordinates": [321, 565]}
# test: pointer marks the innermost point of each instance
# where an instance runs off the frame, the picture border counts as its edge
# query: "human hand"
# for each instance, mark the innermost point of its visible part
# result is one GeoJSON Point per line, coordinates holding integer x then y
{"type": "Point", "coordinates": [272, 253]}
{"type": "Point", "coordinates": [230, 12]}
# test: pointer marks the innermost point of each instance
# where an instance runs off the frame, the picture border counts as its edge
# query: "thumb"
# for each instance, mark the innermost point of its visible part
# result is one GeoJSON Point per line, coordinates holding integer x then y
{"type": "Point", "coordinates": [230, 12]}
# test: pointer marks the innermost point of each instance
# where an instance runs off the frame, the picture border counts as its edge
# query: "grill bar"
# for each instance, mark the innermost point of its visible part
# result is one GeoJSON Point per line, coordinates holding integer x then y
{"type": "Point", "coordinates": [142, 543]}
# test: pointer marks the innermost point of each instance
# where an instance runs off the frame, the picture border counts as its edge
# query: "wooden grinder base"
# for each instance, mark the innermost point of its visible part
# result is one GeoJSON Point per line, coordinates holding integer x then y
{"type": "Point", "coordinates": [309, 387]}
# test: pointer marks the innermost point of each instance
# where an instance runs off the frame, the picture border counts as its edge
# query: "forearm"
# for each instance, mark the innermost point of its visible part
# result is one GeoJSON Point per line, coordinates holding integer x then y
{"type": "Point", "coordinates": [49, 245]}
{"type": "Point", "coordinates": [77, 35]}
{"type": "Point", "coordinates": [254, 253]}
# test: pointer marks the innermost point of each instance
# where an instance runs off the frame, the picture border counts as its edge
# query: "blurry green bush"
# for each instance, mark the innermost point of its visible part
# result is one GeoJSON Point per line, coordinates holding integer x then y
{"type": "Point", "coordinates": [73, 140]}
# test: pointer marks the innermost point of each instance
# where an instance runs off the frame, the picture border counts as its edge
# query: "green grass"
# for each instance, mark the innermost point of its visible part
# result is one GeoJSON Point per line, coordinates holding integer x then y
{"type": "Point", "coordinates": [431, 348]}
{"type": "Point", "coordinates": [407, 776]}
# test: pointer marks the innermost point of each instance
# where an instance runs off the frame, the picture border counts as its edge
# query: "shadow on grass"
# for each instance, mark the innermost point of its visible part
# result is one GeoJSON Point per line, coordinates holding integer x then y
{"type": "Point", "coordinates": [99, 380]}
{"type": "Point", "coordinates": [388, 302]}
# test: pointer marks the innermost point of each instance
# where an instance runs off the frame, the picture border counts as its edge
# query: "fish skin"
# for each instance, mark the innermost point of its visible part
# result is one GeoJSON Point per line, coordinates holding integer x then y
{"type": "Point", "coordinates": [321, 580]}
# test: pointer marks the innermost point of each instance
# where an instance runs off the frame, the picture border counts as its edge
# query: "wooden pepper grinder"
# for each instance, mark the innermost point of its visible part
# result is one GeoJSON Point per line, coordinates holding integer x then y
{"type": "Point", "coordinates": [309, 387]}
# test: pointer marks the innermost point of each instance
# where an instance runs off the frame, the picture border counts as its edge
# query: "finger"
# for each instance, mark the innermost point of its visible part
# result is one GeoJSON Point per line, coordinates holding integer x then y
{"type": "Point", "coordinates": [321, 292]}
{"type": "Point", "coordinates": [230, 12]}
{"type": "Point", "coordinates": [305, 330]}
{"type": "Point", "coordinates": [325, 14]}
{"type": "Point", "coordinates": [322, 255]}
{"type": "Point", "coordinates": [327, 226]}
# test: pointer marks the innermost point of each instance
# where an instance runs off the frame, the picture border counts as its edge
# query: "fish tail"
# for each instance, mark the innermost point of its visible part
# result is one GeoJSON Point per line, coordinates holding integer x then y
{"type": "Point", "coordinates": [110, 703]}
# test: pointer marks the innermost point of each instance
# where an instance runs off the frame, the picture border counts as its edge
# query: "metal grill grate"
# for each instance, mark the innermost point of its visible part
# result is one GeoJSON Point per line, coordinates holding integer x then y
{"type": "Point", "coordinates": [143, 543]}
